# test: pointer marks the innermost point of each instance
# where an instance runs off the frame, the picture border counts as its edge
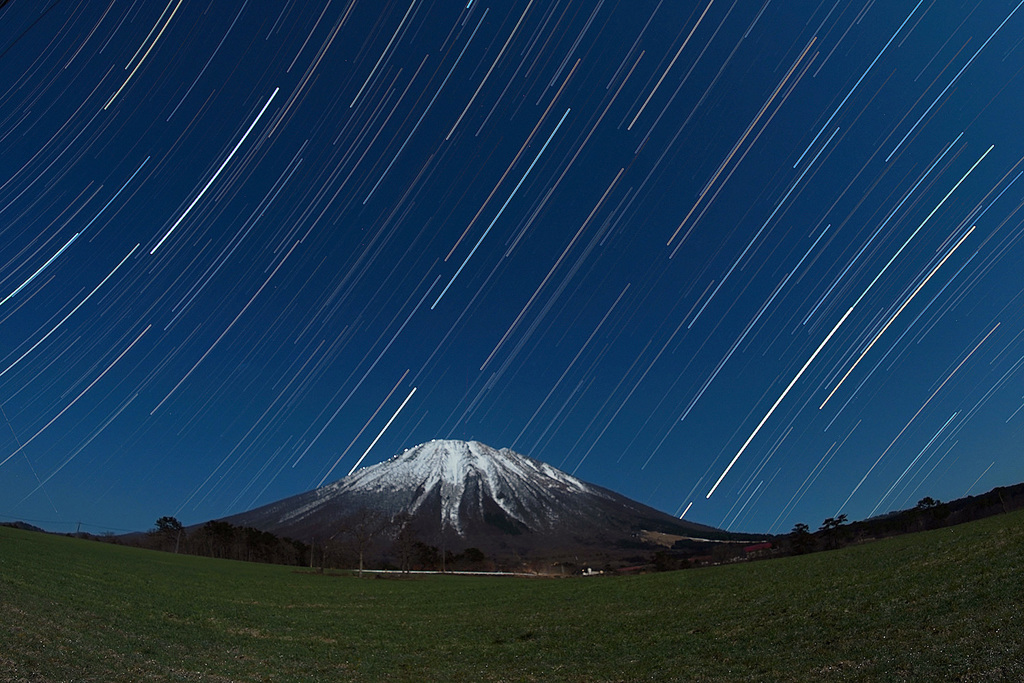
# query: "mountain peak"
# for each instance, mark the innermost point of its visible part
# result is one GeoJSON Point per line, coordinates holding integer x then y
{"type": "Point", "coordinates": [450, 459]}
{"type": "Point", "coordinates": [466, 474]}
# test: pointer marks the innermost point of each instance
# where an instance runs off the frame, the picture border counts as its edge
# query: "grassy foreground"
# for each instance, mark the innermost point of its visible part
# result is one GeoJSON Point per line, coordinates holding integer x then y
{"type": "Point", "coordinates": [936, 606]}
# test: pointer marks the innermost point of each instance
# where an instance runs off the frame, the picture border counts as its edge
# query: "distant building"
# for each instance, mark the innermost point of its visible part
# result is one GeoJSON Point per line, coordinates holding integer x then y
{"type": "Point", "coordinates": [758, 550]}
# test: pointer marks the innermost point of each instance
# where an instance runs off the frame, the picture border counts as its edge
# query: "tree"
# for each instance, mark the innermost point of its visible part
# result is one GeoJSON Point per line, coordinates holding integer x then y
{"type": "Point", "coordinates": [474, 556]}
{"type": "Point", "coordinates": [427, 556]}
{"type": "Point", "coordinates": [932, 512]}
{"type": "Point", "coordinates": [800, 539]}
{"type": "Point", "coordinates": [361, 528]}
{"type": "Point", "coordinates": [260, 546]}
{"type": "Point", "coordinates": [220, 537]}
{"type": "Point", "coordinates": [663, 562]}
{"type": "Point", "coordinates": [830, 528]}
{"type": "Point", "coordinates": [168, 530]}
{"type": "Point", "coordinates": [405, 541]}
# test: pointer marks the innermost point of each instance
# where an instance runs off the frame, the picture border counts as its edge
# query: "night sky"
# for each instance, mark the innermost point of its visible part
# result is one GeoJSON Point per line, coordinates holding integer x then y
{"type": "Point", "coordinates": [757, 263]}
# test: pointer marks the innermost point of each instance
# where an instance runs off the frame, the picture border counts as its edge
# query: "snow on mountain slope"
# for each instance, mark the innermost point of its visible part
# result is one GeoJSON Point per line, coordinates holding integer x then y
{"type": "Point", "coordinates": [467, 493]}
{"type": "Point", "coordinates": [465, 474]}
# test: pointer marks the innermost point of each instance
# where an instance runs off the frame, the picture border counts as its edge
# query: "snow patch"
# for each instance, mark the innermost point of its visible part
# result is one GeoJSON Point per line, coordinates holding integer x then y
{"type": "Point", "coordinates": [526, 490]}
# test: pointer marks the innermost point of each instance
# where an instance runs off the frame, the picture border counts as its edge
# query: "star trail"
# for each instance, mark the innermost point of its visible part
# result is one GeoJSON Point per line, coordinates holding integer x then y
{"type": "Point", "coordinates": [754, 263]}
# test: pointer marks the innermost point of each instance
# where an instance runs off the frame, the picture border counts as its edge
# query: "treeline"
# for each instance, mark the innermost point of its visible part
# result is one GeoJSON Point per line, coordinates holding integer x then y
{"type": "Point", "coordinates": [368, 539]}
{"type": "Point", "coordinates": [363, 539]}
{"type": "Point", "coordinates": [929, 513]}
{"type": "Point", "coordinates": [837, 532]}
{"type": "Point", "coordinates": [999, 500]}
{"type": "Point", "coordinates": [224, 540]}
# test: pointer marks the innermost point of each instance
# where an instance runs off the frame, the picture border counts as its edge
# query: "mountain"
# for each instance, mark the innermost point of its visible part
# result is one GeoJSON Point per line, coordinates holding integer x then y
{"type": "Point", "coordinates": [463, 494]}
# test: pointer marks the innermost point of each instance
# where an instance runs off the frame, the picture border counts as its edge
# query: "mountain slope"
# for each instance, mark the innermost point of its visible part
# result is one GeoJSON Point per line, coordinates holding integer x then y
{"type": "Point", "coordinates": [461, 494]}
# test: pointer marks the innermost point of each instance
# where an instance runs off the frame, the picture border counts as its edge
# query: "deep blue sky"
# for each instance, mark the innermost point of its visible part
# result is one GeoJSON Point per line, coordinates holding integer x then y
{"type": "Point", "coordinates": [635, 240]}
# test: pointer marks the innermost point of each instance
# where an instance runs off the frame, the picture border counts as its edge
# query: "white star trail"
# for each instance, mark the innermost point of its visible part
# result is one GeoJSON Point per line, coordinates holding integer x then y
{"type": "Point", "coordinates": [717, 248]}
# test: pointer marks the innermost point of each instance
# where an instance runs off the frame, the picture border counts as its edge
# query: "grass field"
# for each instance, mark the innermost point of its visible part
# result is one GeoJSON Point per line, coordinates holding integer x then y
{"type": "Point", "coordinates": [937, 606]}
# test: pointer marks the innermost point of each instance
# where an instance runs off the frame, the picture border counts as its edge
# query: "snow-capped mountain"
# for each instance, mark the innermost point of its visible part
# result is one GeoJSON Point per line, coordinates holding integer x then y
{"type": "Point", "coordinates": [467, 494]}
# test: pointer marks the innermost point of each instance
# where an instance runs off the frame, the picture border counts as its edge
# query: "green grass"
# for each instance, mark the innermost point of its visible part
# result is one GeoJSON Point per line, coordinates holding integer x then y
{"type": "Point", "coordinates": [937, 606]}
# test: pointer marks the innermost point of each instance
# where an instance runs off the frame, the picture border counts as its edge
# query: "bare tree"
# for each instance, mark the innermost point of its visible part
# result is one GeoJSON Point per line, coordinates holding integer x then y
{"type": "Point", "coordinates": [405, 541]}
{"type": "Point", "coordinates": [361, 528]}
